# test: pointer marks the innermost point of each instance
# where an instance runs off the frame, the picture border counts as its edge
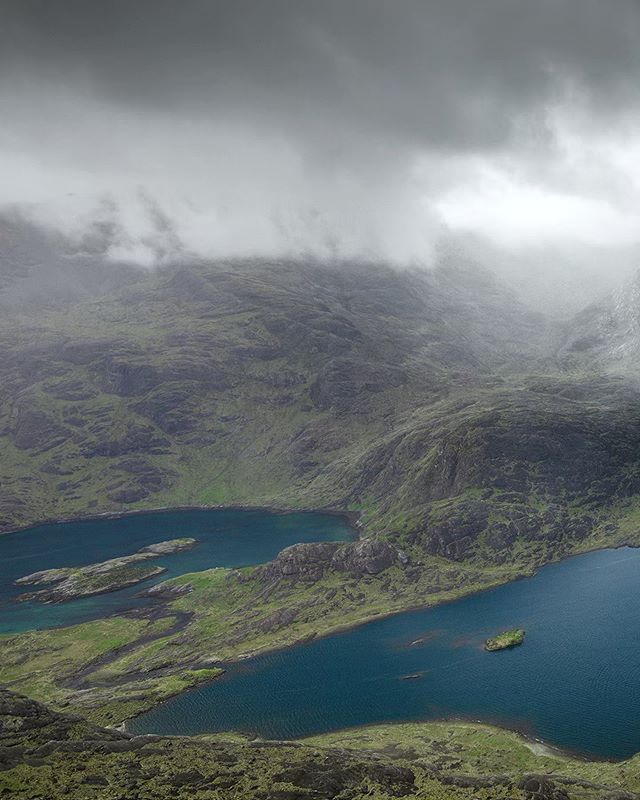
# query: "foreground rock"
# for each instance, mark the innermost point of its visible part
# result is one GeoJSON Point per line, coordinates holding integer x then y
{"type": "Point", "coordinates": [70, 583]}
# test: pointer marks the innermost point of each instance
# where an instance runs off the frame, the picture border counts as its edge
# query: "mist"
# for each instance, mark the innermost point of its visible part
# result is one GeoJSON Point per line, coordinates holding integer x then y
{"type": "Point", "coordinates": [504, 130]}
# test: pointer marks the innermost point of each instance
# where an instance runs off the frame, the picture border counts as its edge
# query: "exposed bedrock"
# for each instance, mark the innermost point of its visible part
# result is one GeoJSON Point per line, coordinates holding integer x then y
{"type": "Point", "coordinates": [309, 562]}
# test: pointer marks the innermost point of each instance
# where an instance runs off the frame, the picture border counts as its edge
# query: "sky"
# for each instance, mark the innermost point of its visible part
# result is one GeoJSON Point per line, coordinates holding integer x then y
{"type": "Point", "coordinates": [385, 129]}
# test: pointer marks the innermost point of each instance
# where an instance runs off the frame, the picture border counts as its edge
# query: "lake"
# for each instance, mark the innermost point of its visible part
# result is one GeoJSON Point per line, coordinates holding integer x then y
{"type": "Point", "coordinates": [575, 682]}
{"type": "Point", "coordinates": [226, 538]}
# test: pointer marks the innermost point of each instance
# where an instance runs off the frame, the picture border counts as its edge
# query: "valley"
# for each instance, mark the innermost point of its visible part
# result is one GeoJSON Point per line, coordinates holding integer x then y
{"type": "Point", "coordinates": [474, 440]}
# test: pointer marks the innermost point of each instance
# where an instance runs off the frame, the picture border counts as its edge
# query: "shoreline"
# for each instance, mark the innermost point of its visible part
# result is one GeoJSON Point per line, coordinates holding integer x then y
{"type": "Point", "coordinates": [415, 609]}
{"type": "Point", "coordinates": [353, 518]}
{"type": "Point", "coordinates": [539, 747]}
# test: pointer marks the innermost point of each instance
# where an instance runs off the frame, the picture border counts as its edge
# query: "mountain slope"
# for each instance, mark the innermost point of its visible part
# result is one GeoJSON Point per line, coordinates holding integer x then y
{"type": "Point", "coordinates": [429, 400]}
{"type": "Point", "coordinates": [234, 382]}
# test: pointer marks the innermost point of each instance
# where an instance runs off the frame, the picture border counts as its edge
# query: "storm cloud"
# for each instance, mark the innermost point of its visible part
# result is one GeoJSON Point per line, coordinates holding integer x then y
{"type": "Point", "coordinates": [364, 127]}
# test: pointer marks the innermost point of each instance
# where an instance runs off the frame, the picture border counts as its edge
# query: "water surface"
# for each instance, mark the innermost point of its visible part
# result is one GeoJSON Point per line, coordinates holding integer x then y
{"type": "Point", "coordinates": [574, 683]}
{"type": "Point", "coordinates": [226, 538]}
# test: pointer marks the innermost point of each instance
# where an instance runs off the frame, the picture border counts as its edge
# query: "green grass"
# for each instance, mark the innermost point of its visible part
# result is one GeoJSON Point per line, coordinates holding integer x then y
{"type": "Point", "coordinates": [437, 760]}
{"type": "Point", "coordinates": [505, 640]}
{"type": "Point", "coordinates": [470, 748]}
{"type": "Point", "coordinates": [35, 663]}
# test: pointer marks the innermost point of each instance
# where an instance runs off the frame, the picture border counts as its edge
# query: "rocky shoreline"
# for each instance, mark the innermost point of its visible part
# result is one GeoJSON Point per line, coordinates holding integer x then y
{"type": "Point", "coordinates": [70, 583]}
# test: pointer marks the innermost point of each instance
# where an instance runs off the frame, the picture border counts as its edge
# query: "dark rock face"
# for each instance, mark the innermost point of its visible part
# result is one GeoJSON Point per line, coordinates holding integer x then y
{"type": "Point", "coordinates": [136, 478]}
{"type": "Point", "coordinates": [85, 351]}
{"type": "Point", "coordinates": [170, 407]}
{"type": "Point", "coordinates": [310, 561]}
{"type": "Point", "coordinates": [35, 429]}
{"type": "Point", "coordinates": [24, 721]}
{"type": "Point", "coordinates": [342, 380]}
{"type": "Point", "coordinates": [303, 562]}
{"type": "Point", "coordinates": [542, 787]}
{"type": "Point", "coordinates": [135, 438]}
{"type": "Point", "coordinates": [281, 618]}
{"type": "Point", "coordinates": [366, 557]}
{"type": "Point", "coordinates": [126, 379]}
{"type": "Point", "coordinates": [168, 591]}
{"type": "Point", "coordinates": [329, 780]}
{"type": "Point", "coordinates": [453, 536]}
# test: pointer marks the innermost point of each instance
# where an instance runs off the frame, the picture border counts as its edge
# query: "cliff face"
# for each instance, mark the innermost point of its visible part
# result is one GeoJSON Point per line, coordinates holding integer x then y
{"type": "Point", "coordinates": [309, 562]}
{"type": "Point", "coordinates": [606, 333]}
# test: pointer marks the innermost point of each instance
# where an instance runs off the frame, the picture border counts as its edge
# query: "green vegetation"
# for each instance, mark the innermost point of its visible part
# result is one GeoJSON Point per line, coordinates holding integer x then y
{"type": "Point", "coordinates": [106, 576]}
{"type": "Point", "coordinates": [44, 754]}
{"type": "Point", "coordinates": [505, 640]}
{"type": "Point", "coordinates": [225, 615]}
{"type": "Point", "coordinates": [471, 749]}
{"type": "Point", "coordinates": [476, 441]}
{"type": "Point", "coordinates": [80, 583]}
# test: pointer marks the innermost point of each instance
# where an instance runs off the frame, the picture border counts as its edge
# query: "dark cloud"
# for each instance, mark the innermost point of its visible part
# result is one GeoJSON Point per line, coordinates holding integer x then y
{"type": "Point", "coordinates": [375, 127]}
{"type": "Point", "coordinates": [450, 73]}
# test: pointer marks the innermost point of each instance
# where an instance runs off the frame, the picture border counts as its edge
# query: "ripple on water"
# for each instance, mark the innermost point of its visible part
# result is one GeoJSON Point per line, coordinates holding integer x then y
{"type": "Point", "coordinates": [574, 683]}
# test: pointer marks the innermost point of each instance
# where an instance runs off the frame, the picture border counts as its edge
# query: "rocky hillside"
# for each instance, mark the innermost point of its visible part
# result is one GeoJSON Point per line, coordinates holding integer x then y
{"type": "Point", "coordinates": [432, 401]}
{"type": "Point", "coordinates": [607, 333]}
{"type": "Point", "coordinates": [476, 439]}
{"type": "Point", "coordinates": [44, 754]}
{"type": "Point", "coordinates": [233, 382]}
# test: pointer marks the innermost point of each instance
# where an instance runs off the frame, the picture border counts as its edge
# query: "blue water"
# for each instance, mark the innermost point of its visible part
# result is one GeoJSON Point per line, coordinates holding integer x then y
{"type": "Point", "coordinates": [225, 539]}
{"type": "Point", "coordinates": [574, 683]}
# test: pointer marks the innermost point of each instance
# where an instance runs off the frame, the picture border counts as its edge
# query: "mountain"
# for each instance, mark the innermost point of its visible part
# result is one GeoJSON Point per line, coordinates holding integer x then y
{"type": "Point", "coordinates": [235, 382]}
{"type": "Point", "coordinates": [41, 268]}
{"type": "Point", "coordinates": [434, 401]}
{"type": "Point", "coordinates": [607, 333]}
{"type": "Point", "coordinates": [475, 439]}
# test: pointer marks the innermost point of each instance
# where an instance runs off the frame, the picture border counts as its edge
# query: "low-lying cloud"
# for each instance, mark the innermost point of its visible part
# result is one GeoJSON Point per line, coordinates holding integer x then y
{"type": "Point", "coordinates": [358, 128]}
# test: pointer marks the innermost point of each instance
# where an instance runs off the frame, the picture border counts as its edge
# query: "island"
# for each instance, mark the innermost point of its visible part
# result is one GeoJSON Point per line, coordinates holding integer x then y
{"type": "Point", "coordinates": [69, 583]}
{"type": "Point", "coordinates": [505, 640]}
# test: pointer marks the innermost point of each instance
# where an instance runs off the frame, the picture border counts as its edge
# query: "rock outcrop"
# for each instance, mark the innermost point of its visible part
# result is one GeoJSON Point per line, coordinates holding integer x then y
{"type": "Point", "coordinates": [310, 561]}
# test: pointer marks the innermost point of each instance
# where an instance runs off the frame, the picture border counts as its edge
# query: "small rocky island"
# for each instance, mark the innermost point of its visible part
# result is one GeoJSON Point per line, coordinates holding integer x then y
{"type": "Point", "coordinates": [505, 640]}
{"type": "Point", "coordinates": [69, 583]}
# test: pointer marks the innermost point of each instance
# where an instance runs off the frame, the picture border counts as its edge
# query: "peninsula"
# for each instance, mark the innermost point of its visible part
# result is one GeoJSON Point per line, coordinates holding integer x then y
{"type": "Point", "coordinates": [69, 583]}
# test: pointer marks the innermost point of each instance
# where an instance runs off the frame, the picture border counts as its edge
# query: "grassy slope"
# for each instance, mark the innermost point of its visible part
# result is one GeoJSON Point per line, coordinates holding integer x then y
{"type": "Point", "coordinates": [43, 754]}
{"type": "Point", "coordinates": [473, 749]}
